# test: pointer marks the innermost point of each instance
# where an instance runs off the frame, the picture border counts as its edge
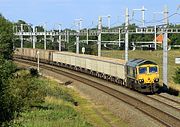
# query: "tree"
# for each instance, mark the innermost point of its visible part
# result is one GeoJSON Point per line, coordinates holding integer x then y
{"type": "Point", "coordinates": [7, 101]}
{"type": "Point", "coordinates": [175, 38]}
{"type": "Point", "coordinates": [6, 38]}
{"type": "Point", "coordinates": [7, 68]}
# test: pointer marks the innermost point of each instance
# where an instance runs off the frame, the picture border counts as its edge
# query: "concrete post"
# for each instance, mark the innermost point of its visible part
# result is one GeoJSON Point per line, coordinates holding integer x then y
{"type": "Point", "coordinates": [77, 41]}
{"type": "Point", "coordinates": [87, 36]}
{"type": "Point", "coordinates": [59, 37]}
{"type": "Point", "coordinates": [21, 36]}
{"type": "Point", "coordinates": [119, 37]}
{"type": "Point", "coordinates": [67, 36]}
{"type": "Point", "coordinates": [165, 49]}
{"type": "Point", "coordinates": [38, 61]}
{"type": "Point", "coordinates": [99, 35]}
{"type": "Point", "coordinates": [155, 45]}
{"type": "Point", "coordinates": [45, 43]}
{"type": "Point", "coordinates": [126, 34]}
{"type": "Point", "coordinates": [34, 38]}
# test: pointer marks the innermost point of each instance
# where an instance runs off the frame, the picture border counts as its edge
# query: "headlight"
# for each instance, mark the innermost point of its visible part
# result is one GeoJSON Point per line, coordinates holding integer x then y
{"type": "Point", "coordinates": [141, 80]}
{"type": "Point", "coordinates": [156, 80]}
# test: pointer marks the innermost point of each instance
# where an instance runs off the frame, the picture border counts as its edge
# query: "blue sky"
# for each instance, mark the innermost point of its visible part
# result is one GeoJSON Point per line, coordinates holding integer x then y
{"type": "Point", "coordinates": [53, 12]}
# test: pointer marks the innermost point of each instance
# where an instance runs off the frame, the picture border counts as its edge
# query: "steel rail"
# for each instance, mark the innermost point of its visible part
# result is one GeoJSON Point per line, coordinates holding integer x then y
{"type": "Point", "coordinates": [170, 99]}
{"type": "Point", "coordinates": [164, 103]}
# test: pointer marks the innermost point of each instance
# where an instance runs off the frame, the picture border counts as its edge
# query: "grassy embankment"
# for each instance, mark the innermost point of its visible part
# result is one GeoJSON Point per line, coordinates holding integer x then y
{"type": "Point", "coordinates": [58, 109]}
{"type": "Point", "coordinates": [155, 56]}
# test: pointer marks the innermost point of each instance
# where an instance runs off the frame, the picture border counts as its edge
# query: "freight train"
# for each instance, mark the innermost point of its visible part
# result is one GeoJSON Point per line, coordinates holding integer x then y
{"type": "Point", "coordinates": [138, 74]}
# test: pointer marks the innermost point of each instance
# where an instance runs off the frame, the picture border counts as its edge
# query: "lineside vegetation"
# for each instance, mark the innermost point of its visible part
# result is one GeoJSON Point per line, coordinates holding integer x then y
{"type": "Point", "coordinates": [44, 103]}
{"type": "Point", "coordinates": [27, 99]}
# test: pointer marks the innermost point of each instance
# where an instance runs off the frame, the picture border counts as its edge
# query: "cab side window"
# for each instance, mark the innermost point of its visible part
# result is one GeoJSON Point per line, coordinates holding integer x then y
{"type": "Point", "coordinates": [134, 72]}
{"type": "Point", "coordinates": [131, 71]}
{"type": "Point", "coordinates": [128, 70]}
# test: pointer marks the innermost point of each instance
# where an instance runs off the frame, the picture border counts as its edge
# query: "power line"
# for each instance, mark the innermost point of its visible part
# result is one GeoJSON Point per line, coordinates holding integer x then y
{"type": "Point", "coordinates": [176, 23]}
{"type": "Point", "coordinates": [157, 21]}
{"type": "Point", "coordinates": [136, 20]}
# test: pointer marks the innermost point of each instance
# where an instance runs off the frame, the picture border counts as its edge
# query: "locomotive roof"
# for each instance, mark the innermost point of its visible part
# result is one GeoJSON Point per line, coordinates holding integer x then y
{"type": "Point", "coordinates": [138, 62]}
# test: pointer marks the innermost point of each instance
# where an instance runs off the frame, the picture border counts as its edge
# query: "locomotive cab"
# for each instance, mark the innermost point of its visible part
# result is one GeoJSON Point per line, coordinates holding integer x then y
{"type": "Point", "coordinates": [142, 75]}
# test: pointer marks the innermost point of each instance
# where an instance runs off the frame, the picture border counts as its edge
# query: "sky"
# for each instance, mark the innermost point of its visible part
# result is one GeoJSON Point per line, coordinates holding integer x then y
{"type": "Point", "coordinates": [54, 12]}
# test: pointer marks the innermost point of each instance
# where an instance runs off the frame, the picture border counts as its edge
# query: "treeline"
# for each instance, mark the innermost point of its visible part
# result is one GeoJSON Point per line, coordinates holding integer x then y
{"type": "Point", "coordinates": [91, 47]}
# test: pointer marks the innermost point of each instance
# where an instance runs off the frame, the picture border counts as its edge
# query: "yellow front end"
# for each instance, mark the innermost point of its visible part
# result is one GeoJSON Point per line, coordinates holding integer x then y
{"type": "Point", "coordinates": [148, 76]}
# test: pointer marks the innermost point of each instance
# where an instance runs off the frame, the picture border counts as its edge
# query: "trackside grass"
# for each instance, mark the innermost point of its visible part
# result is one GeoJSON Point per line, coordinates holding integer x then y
{"type": "Point", "coordinates": [58, 110]}
{"type": "Point", "coordinates": [155, 56]}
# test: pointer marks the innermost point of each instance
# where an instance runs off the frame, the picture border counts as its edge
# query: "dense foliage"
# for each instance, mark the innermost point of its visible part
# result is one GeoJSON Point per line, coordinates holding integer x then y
{"type": "Point", "coordinates": [177, 76]}
{"type": "Point", "coordinates": [16, 92]}
{"type": "Point", "coordinates": [175, 38]}
{"type": "Point", "coordinates": [7, 101]}
{"type": "Point", "coordinates": [57, 110]}
{"type": "Point", "coordinates": [6, 38]}
{"type": "Point", "coordinates": [7, 68]}
{"type": "Point", "coordinates": [21, 91]}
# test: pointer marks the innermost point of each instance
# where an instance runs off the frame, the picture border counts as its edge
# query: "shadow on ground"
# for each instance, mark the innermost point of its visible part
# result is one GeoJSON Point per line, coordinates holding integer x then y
{"type": "Point", "coordinates": [171, 91]}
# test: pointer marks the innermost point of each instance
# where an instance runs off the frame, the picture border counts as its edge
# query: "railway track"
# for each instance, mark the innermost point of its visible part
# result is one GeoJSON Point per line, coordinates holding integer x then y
{"type": "Point", "coordinates": [155, 113]}
{"type": "Point", "coordinates": [168, 98]}
{"type": "Point", "coordinates": [104, 118]}
{"type": "Point", "coordinates": [169, 103]}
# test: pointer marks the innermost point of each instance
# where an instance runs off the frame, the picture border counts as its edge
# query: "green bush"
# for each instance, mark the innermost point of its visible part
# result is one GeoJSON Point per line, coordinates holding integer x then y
{"type": "Point", "coordinates": [57, 110]}
{"type": "Point", "coordinates": [20, 92]}
{"type": "Point", "coordinates": [6, 38]}
{"type": "Point", "coordinates": [55, 115]}
{"type": "Point", "coordinates": [29, 91]}
{"type": "Point", "coordinates": [177, 76]}
{"type": "Point", "coordinates": [8, 106]}
{"type": "Point", "coordinates": [60, 93]}
{"type": "Point", "coordinates": [34, 72]}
